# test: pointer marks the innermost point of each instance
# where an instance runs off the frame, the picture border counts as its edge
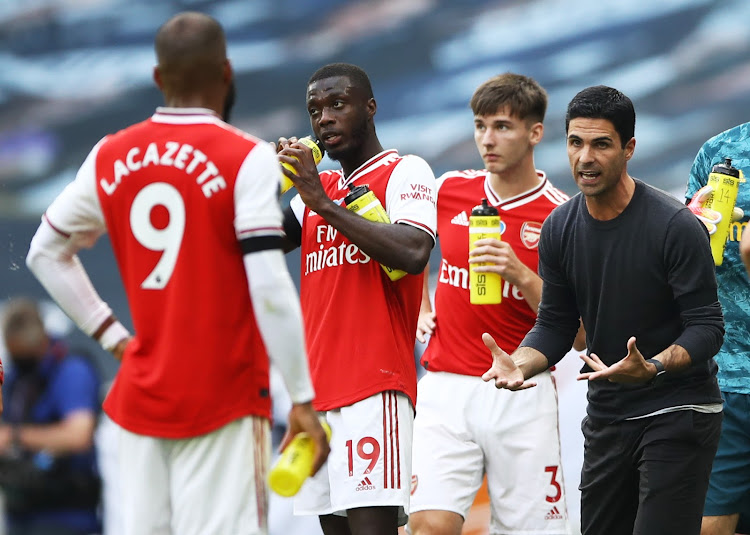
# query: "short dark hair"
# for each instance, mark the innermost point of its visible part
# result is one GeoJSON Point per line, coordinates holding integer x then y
{"type": "Point", "coordinates": [602, 102]}
{"type": "Point", "coordinates": [523, 96]}
{"type": "Point", "coordinates": [357, 76]}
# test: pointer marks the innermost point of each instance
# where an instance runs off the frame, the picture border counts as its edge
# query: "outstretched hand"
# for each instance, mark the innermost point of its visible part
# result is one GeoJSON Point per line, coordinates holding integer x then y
{"type": "Point", "coordinates": [632, 369]}
{"type": "Point", "coordinates": [504, 371]}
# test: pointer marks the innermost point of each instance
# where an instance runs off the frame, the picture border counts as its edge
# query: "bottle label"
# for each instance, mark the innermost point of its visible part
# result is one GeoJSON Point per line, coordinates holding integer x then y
{"type": "Point", "coordinates": [484, 288]}
{"type": "Point", "coordinates": [722, 199]}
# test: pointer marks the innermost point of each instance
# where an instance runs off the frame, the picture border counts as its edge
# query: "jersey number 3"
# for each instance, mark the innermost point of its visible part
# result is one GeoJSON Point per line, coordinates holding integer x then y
{"type": "Point", "coordinates": [167, 239]}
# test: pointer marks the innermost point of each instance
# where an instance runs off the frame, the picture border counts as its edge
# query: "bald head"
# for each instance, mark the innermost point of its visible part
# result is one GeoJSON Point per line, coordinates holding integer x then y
{"type": "Point", "coordinates": [191, 52]}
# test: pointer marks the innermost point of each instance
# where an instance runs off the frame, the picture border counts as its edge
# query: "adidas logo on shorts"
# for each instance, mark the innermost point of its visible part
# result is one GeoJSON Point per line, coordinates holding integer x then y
{"type": "Point", "coordinates": [365, 484]}
{"type": "Point", "coordinates": [461, 219]}
{"type": "Point", "coordinates": [554, 514]}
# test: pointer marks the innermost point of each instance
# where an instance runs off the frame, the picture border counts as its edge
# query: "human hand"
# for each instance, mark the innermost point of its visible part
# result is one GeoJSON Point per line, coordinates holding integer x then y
{"type": "Point", "coordinates": [425, 325]}
{"type": "Point", "coordinates": [504, 371]}
{"type": "Point", "coordinates": [283, 143]}
{"type": "Point", "coordinates": [710, 218]}
{"type": "Point", "coordinates": [632, 369]}
{"type": "Point", "coordinates": [304, 419]}
{"type": "Point", "coordinates": [500, 258]}
{"type": "Point", "coordinates": [120, 346]}
{"type": "Point", "coordinates": [303, 172]}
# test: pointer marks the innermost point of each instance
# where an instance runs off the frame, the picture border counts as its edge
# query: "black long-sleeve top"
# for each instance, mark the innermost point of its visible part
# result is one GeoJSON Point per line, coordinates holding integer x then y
{"type": "Point", "coordinates": [647, 273]}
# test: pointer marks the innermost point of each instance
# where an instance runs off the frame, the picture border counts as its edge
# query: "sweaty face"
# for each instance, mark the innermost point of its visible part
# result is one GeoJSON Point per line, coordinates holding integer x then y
{"type": "Point", "coordinates": [338, 115]}
{"type": "Point", "coordinates": [597, 159]}
{"type": "Point", "coordinates": [503, 140]}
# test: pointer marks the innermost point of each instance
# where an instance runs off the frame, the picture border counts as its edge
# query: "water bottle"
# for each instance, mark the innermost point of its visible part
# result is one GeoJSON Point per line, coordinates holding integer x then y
{"type": "Point", "coordinates": [317, 151]}
{"type": "Point", "coordinates": [725, 181]}
{"type": "Point", "coordinates": [484, 288]}
{"type": "Point", "coordinates": [362, 201]}
{"type": "Point", "coordinates": [294, 465]}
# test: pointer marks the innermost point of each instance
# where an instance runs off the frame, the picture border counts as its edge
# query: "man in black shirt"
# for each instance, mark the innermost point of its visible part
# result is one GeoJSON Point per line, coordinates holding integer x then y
{"type": "Point", "coordinates": [636, 266]}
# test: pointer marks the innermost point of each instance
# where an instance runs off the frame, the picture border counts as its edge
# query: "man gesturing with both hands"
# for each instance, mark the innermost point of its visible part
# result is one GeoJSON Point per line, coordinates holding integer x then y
{"type": "Point", "coordinates": [636, 266]}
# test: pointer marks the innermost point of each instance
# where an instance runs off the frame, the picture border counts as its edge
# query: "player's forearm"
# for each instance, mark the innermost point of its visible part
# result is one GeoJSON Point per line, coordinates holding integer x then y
{"type": "Point", "coordinates": [398, 246]}
{"type": "Point", "coordinates": [530, 361]}
{"type": "Point", "coordinates": [279, 319]}
{"type": "Point", "coordinates": [675, 358]}
{"type": "Point", "coordinates": [52, 259]}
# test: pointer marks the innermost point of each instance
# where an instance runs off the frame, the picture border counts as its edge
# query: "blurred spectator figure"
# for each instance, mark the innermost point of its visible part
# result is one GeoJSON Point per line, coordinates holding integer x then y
{"type": "Point", "coordinates": [51, 397]}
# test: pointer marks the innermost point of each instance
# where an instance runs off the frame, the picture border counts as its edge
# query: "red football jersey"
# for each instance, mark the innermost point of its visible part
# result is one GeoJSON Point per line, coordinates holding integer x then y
{"type": "Point", "coordinates": [176, 193]}
{"type": "Point", "coordinates": [360, 325]}
{"type": "Point", "coordinates": [456, 345]}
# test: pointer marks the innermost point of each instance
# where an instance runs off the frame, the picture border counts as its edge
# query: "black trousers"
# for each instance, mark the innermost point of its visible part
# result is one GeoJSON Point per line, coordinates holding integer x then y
{"type": "Point", "coordinates": [647, 476]}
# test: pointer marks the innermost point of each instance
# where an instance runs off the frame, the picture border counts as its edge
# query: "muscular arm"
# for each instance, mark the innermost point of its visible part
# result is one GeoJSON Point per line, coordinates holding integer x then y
{"type": "Point", "coordinates": [399, 246]}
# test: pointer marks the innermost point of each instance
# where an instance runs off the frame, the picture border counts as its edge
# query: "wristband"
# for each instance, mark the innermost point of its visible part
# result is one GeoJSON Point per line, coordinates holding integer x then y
{"type": "Point", "coordinates": [112, 335]}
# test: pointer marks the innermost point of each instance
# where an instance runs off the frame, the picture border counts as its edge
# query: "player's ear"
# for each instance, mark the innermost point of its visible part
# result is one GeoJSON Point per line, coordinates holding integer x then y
{"type": "Point", "coordinates": [157, 78]}
{"type": "Point", "coordinates": [372, 108]}
{"type": "Point", "coordinates": [536, 133]}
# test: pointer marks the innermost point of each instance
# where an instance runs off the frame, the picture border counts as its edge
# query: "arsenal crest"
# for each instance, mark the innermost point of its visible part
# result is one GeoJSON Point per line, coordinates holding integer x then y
{"type": "Point", "coordinates": [530, 233]}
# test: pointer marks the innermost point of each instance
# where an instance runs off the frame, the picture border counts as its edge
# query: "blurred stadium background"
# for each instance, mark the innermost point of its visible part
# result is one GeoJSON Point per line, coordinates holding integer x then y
{"type": "Point", "coordinates": [72, 71]}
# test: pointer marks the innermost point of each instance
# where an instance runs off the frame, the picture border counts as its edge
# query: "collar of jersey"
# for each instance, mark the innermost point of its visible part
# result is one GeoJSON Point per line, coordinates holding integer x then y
{"type": "Point", "coordinates": [184, 115]}
{"type": "Point", "coordinates": [495, 200]}
{"type": "Point", "coordinates": [366, 167]}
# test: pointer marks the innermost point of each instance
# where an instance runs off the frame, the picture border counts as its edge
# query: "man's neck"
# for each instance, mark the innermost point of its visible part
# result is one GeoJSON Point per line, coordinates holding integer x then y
{"type": "Point", "coordinates": [368, 150]}
{"type": "Point", "coordinates": [612, 203]}
{"type": "Point", "coordinates": [516, 181]}
{"type": "Point", "coordinates": [194, 101]}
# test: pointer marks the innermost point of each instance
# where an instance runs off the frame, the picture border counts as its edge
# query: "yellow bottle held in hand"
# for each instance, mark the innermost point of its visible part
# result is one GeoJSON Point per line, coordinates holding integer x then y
{"type": "Point", "coordinates": [294, 465]}
{"type": "Point", "coordinates": [363, 202]}
{"type": "Point", "coordinates": [725, 181]}
{"type": "Point", "coordinates": [317, 151]}
{"type": "Point", "coordinates": [484, 288]}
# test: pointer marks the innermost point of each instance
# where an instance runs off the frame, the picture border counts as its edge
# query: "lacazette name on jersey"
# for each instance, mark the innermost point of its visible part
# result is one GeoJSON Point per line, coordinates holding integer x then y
{"type": "Point", "coordinates": [178, 155]}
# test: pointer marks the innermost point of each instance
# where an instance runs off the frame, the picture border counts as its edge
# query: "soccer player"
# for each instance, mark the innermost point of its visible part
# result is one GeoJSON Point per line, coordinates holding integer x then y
{"type": "Point", "coordinates": [191, 207]}
{"type": "Point", "coordinates": [729, 488]}
{"type": "Point", "coordinates": [635, 265]}
{"type": "Point", "coordinates": [478, 430]}
{"type": "Point", "coordinates": [359, 323]}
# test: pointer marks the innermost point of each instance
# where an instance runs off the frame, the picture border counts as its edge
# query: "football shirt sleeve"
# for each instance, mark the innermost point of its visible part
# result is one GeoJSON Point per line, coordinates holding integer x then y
{"type": "Point", "coordinates": [272, 293]}
{"type": "Point", "coordinates": [410, 196]}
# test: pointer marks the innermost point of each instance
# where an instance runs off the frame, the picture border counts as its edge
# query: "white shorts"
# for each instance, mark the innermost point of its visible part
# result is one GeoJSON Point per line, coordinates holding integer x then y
{"type": "Point", "coordinates": [466, 428]}
{"type": "Point", "coordinates": [213, 484]}
{"type": "Point", "coordinates": [370, 460]}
